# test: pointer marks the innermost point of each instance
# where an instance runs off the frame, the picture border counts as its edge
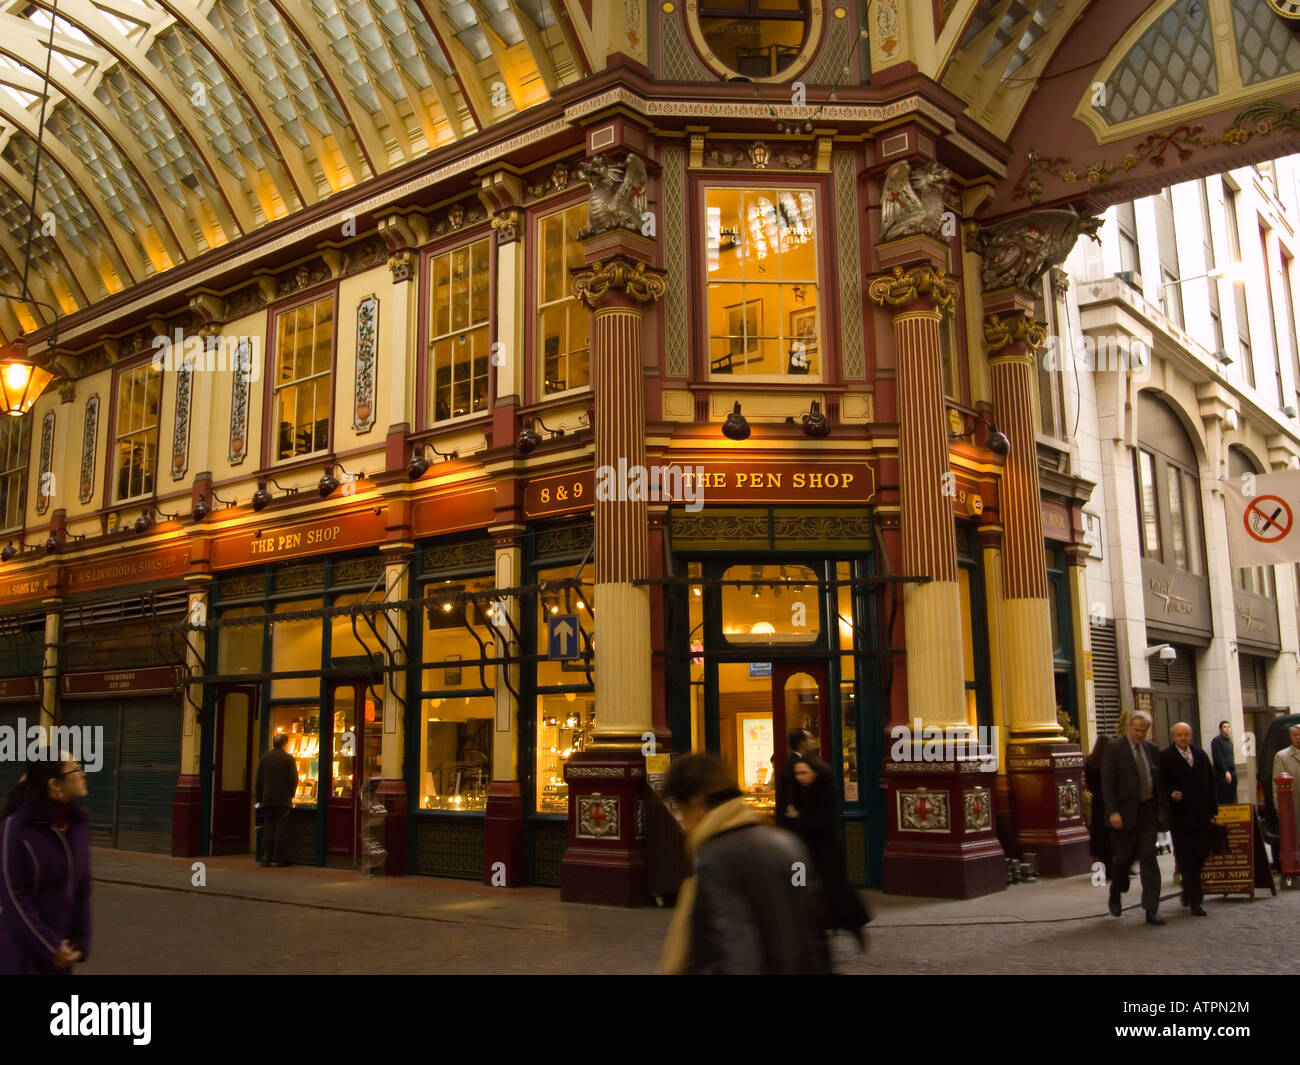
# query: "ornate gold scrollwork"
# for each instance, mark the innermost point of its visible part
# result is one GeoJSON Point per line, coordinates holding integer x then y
{"type": "Point", "coordinates": [1001, 332]}
{"type": "Point", "coordinates": [902, 286]}
{"type": "Point", "coordinates": [625, 275]}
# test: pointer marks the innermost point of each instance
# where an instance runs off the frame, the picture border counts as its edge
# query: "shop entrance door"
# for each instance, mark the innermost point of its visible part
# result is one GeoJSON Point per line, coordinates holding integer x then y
{"type": "Point", "coordinates": [799, 700]}
{"type": "Point", "coordinates": [233, 770]}
{"type": "Point", "coordinates": [355, 738]}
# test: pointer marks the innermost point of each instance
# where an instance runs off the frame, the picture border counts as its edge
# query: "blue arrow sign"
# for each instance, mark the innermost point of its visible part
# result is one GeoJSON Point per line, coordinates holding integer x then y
{"type": "Point", "coordinates": [562, 636]}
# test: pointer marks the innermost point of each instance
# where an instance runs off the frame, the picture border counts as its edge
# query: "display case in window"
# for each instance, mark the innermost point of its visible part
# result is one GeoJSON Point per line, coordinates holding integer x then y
{"type": "Point", "coordinates": [564, 726]}
{"type": "Point", "coordinates": [303, 727]}
{"type": "Point", "coordinates": [457, 768]}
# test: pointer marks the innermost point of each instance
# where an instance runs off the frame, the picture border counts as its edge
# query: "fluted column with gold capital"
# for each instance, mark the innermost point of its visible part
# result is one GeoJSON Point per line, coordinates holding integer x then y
{"type": "Point", "coordinates": [1043, 768]}
{"type": "Point", "coordinates": [917, 298]}
{"type": "Point", "coordinates": [941, 838]}
{"type": "Point", "coordinates": [605, 859]}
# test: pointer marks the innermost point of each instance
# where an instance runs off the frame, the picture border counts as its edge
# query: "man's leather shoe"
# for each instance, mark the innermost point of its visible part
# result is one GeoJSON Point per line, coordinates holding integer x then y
{"type": "Point", "coordinates": [1115, 908]}
{"type": "Point", "coordinates": [1199, 911]}
{"type": "Point", "coordinates": [1155, 918]}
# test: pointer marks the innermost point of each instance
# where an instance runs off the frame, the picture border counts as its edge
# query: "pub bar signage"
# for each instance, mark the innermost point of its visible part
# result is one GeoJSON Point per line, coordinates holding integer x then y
{"type": "Point", "coordinates": [705, 483]}
{"type": "Point", "coordinates": [154, 680]}
{"type": "Point", "coordinates": [20, 689]}
{"type": "Point", "coordinates": [342, 532]}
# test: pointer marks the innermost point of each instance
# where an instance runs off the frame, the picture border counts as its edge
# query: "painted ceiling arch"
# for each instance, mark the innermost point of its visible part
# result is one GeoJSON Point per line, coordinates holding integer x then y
{"type": "Point", "coordinates": [173, 127]}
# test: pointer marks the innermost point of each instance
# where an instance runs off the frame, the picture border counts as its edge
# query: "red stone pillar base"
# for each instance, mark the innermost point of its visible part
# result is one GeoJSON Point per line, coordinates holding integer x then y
{"type": "Point", "coordinates": [942, 841]}
{"type": "Point", "coordinates": [503, 835]}
{"type": "Point", "coordinates": [187, 817]}
{"type": "Point", "coordinates": [1046, 782]}
{"type": "Point", "coordinates": [605, 862]}
{"type": "Point", "coordinates": [392, 793]}
{"type": "Point", "coordinates": [1004, 815]}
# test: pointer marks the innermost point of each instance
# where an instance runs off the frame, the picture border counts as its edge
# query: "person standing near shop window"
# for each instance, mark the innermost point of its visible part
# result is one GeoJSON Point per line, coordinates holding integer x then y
{"type": "Point", "coordinates": [45, 871]}
{"type": "Point", "coordinates": [801, 743]}
{"type": "Point", "coordinates": [277, 780]}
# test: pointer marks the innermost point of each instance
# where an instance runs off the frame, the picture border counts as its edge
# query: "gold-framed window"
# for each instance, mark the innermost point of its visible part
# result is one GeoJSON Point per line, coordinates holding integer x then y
{"type": "Point", "coordinates": [136, 433]}
{"type": "Point", "coordinates": [563, 324]}
{"type": "Point", "coordinates": [304, 374]}
{"type": "Point", "coordinates": [460, 287]}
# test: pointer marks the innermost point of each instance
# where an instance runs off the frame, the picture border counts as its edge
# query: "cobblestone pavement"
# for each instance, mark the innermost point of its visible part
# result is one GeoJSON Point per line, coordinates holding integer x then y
{"type": "Point", "coordinates": [148, 919]}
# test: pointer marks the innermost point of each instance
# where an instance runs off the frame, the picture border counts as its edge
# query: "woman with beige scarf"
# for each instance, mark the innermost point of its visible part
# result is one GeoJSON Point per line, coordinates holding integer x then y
{"type": "Point", "coordinates": [754, 904]}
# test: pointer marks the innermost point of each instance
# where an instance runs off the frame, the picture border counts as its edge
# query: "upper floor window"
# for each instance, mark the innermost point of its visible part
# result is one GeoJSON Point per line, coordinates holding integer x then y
{"type": "Point", "coordinates": [136, 434]}
{"type": "Point", "coordinates": [755, 38]}
{"type": "Point", "coordinates": [764, 310]}
{"type": "Point", "coordinates": [304, 370]}
{"type": "Point", "coordinates": [563, 323]}
{"type": "Point", "coordinates": [1168, 490]}
{"type": "Point", "coordinates": [458, 343]}
{"type": "Point", "coordinates": [15, 444]}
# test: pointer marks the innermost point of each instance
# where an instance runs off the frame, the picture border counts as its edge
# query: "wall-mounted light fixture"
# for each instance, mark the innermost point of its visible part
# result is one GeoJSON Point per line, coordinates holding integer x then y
{"type": "Point", "coordinates": [530, 438]}
{"type": "Point", "coordinates": [203, 506]}
{"type": "Point", "coordinates": [996, 441]}
{"type": "Point", "coordinates": [734, 426]}
{"type": "Point", "coordinates": [815, 423]}
{"type": "Point", "coordinates": [328, 483]}
{"type": "Point", "coordinates": [419, 465]}
{"type": "Point", "coordinates": [262, 498]}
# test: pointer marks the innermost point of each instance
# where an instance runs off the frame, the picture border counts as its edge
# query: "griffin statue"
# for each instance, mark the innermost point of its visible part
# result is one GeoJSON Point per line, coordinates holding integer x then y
{"type": "Point", "coordinates": [618, 193]}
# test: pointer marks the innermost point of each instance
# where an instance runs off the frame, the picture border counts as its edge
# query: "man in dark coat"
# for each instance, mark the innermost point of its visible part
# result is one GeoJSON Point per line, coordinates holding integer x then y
{"type": "Point", "coordinates": [45, 872]}
{"type": "Point", "coordinates": [754, 904]}
{"type": "Point", "coordinates": [1225, 765]}
{"type": "Point", "coordinates": [801, 743]}
{"type": "Point", "coordinates": [1189, 782]}
{"type": "Point", "coordinates": [277, 781]}
{"type": "Point", "coordinates": [1136, 809]}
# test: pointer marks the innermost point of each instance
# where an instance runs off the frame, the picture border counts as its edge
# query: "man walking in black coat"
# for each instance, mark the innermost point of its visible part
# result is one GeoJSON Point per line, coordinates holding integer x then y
{"type": "Point", "coordinates": [1189, 782]}
{"type": "Point", "coordinates": [1136, 809]}
{"type": "Point", "coordinates": [277, 780]}
{"type": "Point", "coordinates": [801, 743]}
{"type": "Point", "coordinates": [1225, 765]}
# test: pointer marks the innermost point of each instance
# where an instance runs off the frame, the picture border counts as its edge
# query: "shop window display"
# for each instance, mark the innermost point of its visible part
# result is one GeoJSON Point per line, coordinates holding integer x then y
{"type": "Point", "coordinates": [566, 710]}
{"type": "Point", "coordinates": [456, 756]}
{"type": "Point", "coordinates": [564, 727]}
{"type": "Point", "coordinates": [302, 723]}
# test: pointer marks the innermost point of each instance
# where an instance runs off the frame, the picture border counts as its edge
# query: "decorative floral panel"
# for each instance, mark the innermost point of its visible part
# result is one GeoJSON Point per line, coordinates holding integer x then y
{"type": "Point", "coordinates": [181, 431]}
{"type": "Point", "coordinates": [363, 418]}
{"type": "Point", "coordinates": [89, 432]}
{"type": "Point", "coordinates": [239, 403]}
{"type": "Point", "coordinates": [45, 478]}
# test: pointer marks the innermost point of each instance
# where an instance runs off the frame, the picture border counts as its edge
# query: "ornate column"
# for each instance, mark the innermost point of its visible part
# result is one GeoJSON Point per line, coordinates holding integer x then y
{"type": "Point", "coordinates": [940, 837]}
{"type": "Point", "coordinates": [605, 860]}
{"type": "Point", "coordinates": [503, 844]}
{"type": "Point", "coordinates": [392, 744]}
{"type": "Point", "coordinates": [187, 804]}
{"type": "Point", "coordinates": [1044, 770]}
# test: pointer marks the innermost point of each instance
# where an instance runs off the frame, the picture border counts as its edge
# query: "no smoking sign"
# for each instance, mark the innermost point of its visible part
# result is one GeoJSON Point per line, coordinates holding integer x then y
{"type": "Point", "coordinates": [1268, 519]}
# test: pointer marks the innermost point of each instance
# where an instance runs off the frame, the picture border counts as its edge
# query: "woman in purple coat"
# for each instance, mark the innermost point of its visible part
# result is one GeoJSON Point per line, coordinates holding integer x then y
{"type": "Point", "coordinates": [45, 871]}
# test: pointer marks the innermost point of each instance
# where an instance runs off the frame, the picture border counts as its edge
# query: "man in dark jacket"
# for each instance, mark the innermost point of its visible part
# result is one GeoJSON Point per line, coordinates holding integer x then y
{"type": "Point", "coordinates": [1189, 782]}
{"type": "Point", "coordinates": [277, 780]}
{"type": "Point", "coordinates": [754, 904]}
{"type": "Point", "coordinates": [1225, 765]}
{"type": "Point", "coordinates": [801, 743]}
{"type": "Point", "coordinates": [1135, 808]}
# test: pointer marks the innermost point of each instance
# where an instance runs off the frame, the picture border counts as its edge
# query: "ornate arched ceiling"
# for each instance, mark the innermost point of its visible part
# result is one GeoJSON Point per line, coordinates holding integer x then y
{"type": "Point", "coordinates": [1113, 98]}
{"type": "Point", "coordinates": [175, 126]}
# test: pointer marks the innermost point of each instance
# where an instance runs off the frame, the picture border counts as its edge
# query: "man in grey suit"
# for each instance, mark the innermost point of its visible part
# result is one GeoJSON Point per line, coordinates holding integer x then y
{"type": "Point", "coordinates": [1136, 806]}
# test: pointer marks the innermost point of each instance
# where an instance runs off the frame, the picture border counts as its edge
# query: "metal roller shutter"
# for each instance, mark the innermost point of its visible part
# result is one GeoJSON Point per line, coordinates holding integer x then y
{"type": "Point", "coordinates": [101, 787]}
{"type": "Point", "coordinates": [147, 771]}
{"type": "Point", "coordinates": [1105, 676]}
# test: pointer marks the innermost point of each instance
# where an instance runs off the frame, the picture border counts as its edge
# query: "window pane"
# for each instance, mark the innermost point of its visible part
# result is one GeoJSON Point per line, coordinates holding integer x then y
{"type": "Point", "coordinates": [763, 614]}
{"type": "Point", "coordinates": [456, 756]}
{"type": "Point", "coordinates": [1149, 517]}
{"type": "Point", "coordinates": [1192, 521]}
{"type": "Point", "coordinates": [564, 726]}
{"type": "Point", "coordinates": [1173, 481]}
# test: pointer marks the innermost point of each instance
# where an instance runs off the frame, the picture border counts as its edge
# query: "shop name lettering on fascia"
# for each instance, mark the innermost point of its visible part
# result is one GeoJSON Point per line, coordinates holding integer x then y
{"type": "Point", "coordinates": [272, 545]}
{"type": "Point", "coordinates": [768, 479]}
